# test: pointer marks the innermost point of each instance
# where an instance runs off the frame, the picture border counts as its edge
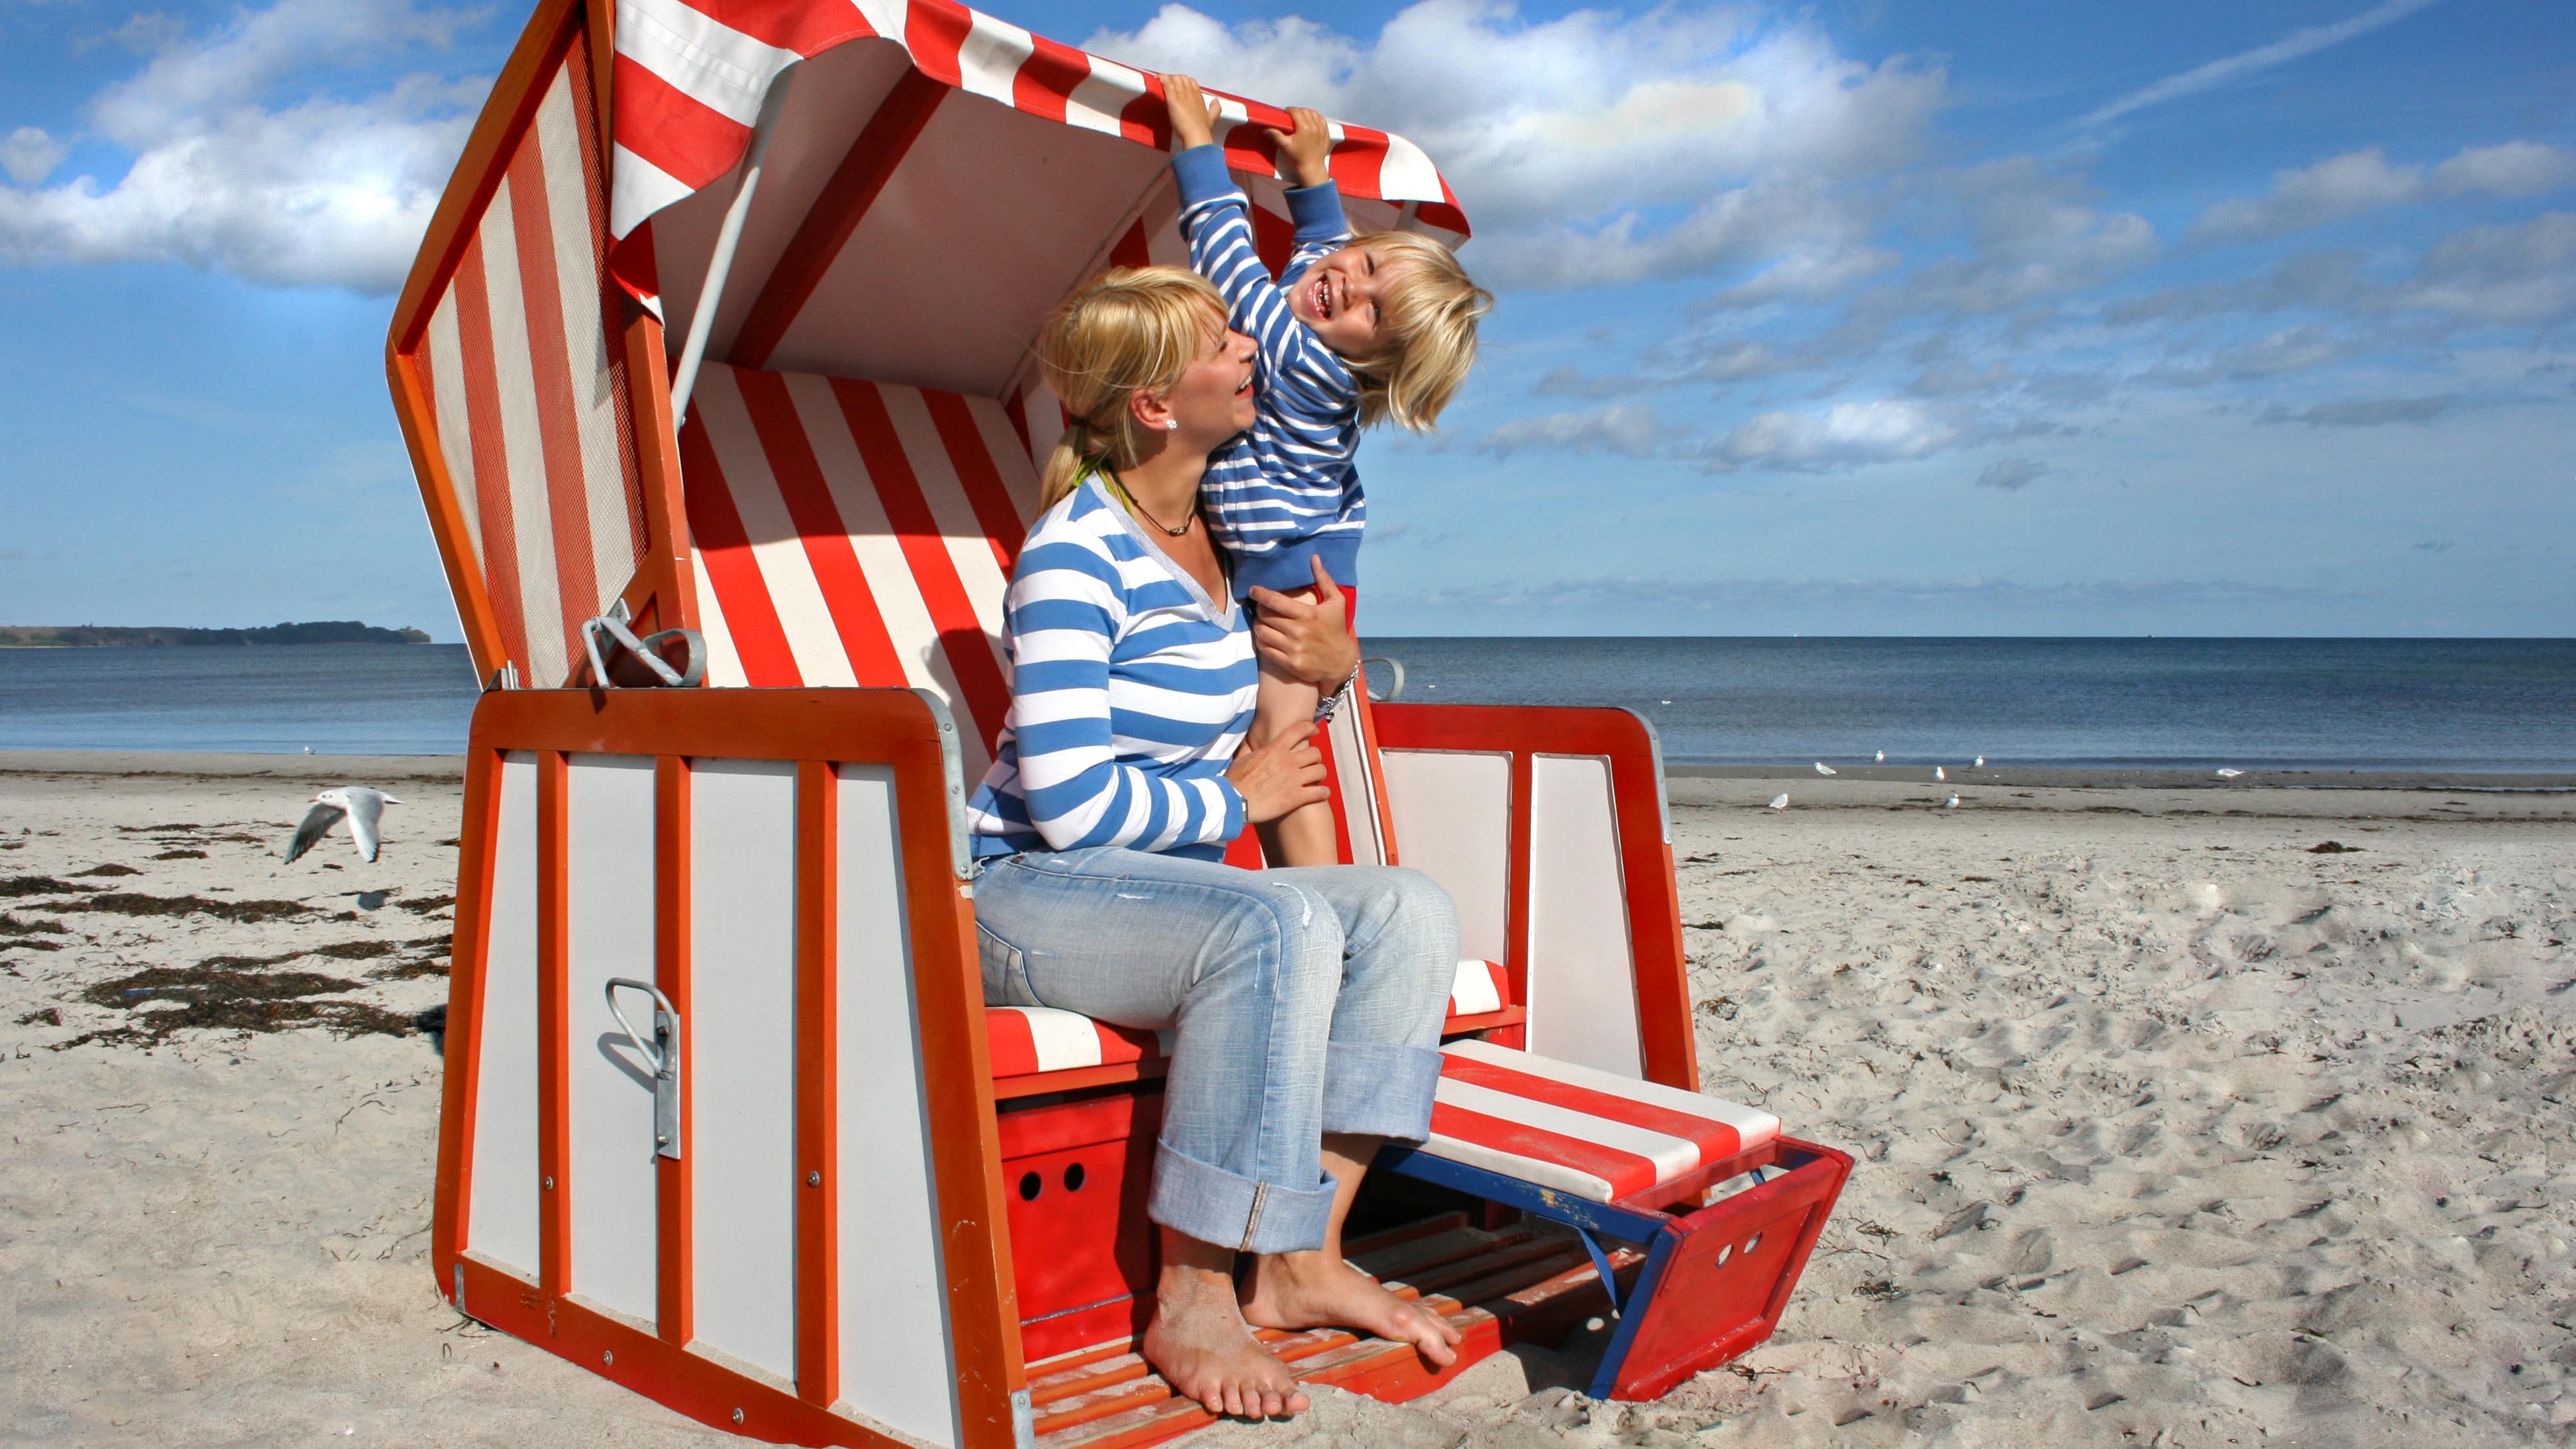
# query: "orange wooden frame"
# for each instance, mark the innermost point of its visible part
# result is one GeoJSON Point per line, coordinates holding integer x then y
{"type": "Point", "coordinates": [1653, 899]}
{"type": "Point", "coordinates": [817, 729]}
{"type": "Point", "coordinates": [663, 593]}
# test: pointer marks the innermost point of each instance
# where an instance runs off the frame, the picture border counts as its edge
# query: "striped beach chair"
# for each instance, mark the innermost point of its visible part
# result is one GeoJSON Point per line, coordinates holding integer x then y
{"type": "Point", "coordinates": [726, 1118]}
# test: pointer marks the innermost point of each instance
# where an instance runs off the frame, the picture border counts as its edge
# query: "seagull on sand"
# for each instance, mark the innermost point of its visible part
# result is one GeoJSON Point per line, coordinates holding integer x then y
{"type": "Point", "coordinates": [1780, 801]}
{"type": "Point", "coordinates": [1882, 757]}
{"type": "Point", "coordinates": [362, 806]}
{"type": "Point", "coordinates": [1953, 802]}
{"type": "Point", "coordinates": [2229, 774]}
{"type": "Point", "coordinates": [1824, 769]}
{"type": "Point", "coordinates": [1981, 762]}
{"type": "Point", "coordinates": [1940, 774]}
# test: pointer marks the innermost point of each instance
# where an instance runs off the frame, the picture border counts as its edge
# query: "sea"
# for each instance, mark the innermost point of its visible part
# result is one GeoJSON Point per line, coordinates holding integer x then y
{"type": "Point", "coordinates": [2450, 705]}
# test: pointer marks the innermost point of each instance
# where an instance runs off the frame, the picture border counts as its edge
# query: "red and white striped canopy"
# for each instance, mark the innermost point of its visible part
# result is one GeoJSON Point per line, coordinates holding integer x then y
{"type": "Point", "coordinates": [936, 178]}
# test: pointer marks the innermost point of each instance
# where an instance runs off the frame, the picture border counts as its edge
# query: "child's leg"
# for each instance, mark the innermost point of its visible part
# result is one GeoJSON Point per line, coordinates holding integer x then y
{"type": "Point", "coordinates": [1303, 836]}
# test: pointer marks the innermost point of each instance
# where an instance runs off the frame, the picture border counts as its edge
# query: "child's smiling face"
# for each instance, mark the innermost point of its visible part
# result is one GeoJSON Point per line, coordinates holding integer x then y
{"type": "Point", "coordinates": [1339, 296]}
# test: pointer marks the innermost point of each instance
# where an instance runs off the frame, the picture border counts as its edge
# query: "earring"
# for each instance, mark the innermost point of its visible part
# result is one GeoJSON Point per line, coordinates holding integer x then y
{"type": "Point", "coordinates": [1172, 425]}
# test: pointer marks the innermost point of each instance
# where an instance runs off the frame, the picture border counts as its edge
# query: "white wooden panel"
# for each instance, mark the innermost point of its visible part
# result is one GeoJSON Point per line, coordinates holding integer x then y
{"type": "Point", "coordinates": [1452, 813]}
{"type": "Point", "coordinates": [501, 1220]}
{"type": "Point", "coordinates": [1358, 795]}
{"type": "Point", "coordinates": [608, 829]}
{"type": "Point", "coordinates": [896, 1367]}
{"type": "Point", "coordinates": [742, 1058]}
{"type": "Point", "coordinates": [1582, 974]}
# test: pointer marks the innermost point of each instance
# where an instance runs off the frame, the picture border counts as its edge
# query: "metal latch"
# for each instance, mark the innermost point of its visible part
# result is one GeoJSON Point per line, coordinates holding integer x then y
{"type": "Point", "coordinates": [664, 1056]}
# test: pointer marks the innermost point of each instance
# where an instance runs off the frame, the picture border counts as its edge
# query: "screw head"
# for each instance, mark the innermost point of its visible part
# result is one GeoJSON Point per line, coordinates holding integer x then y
{"type": "Point", "coordinates": [737, 1416]}
{"type": "Point", "coordinates": [550, 1184]}
{"type": "Point", "coordinates": [608, 1355]}
{"type": "Point", "coordinates": [814, 1179]}
{"type": "Point", "coordinates": [661, 1140]}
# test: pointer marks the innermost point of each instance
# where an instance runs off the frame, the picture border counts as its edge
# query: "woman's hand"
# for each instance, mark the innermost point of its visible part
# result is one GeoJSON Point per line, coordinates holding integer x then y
{"type": "Point", "coordinates": [1309, 148]}
{"type": "Point", "coordinates": [1284, 775]}
{"type": "Point", "coordinates": [1307, 639]}
{"type": "Point", "coordinates": [1194, 116]}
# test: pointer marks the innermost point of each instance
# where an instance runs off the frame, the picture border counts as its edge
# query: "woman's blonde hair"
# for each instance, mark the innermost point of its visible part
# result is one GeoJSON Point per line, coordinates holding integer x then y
{"type": "Point", "coordinates": [1429, 312]}
{"type": "Point", "coordinates": [1128, 330]}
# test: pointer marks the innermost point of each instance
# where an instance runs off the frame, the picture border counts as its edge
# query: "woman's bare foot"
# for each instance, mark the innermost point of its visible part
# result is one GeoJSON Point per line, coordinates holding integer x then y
{"type": "Point", "coordinates": [1199, 1343]}
{"type": "Point", "coordinates": [1319, 1290]}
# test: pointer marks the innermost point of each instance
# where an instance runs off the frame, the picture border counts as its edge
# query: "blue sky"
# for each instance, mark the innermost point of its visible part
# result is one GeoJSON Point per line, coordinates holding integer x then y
{"type": "Point", "coordinates": [1983, 317]}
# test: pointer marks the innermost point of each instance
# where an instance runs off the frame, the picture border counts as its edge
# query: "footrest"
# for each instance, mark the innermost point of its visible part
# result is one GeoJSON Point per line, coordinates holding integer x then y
{"type": "Point", "coordinates": [1599, 1136]}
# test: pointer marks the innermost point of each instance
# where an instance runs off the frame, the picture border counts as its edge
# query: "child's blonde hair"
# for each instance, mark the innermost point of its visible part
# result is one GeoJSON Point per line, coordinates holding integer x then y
{"type": "Point", "coordinates": [1128, 330]}
{"type": "Point", "coordinates": [1429, 313]}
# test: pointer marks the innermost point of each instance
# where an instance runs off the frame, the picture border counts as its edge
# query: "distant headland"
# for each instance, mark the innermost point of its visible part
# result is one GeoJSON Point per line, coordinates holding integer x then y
{"type": "Point", "coordinates": [93, 636]}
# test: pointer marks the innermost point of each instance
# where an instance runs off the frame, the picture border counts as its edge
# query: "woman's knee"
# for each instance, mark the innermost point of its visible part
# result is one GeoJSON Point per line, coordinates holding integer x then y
{"type": "Point", "coordinates": [1291, 925]}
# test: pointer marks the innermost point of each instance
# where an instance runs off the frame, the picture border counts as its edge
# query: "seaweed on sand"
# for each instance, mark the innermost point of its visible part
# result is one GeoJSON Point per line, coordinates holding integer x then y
{"type": "Point", "coordinates": [132, 903]}
{"type": "Point", "coordinates": [35, 885]}
{"type": "Point", "coordinates": [169, 999]}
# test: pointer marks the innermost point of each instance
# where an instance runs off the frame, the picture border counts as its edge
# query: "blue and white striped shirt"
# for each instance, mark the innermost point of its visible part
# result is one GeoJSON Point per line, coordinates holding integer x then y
{"type": "Point", "coordinates": [1130, 690]}
{"type": "Point", "coordinates": [1286, 489]}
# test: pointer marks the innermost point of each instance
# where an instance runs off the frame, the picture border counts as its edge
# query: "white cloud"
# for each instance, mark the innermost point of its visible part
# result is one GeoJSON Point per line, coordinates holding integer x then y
{"type": "Point", "coordinates": [2288, 48]}
{"type": "Point", "coordinates": [30, 155]}
{"type": "Point", "coordinates": [1846, 435]}
{"type": "Point", "coordinates": [2522, 273]}
{"type": "Point", "coordinates": [2359, 181]}
{"type": "Point", "coordinates": [2516, 168]}
{"type": "Point", "coordinates": [1570, 141]}
{"type": "Point", "coordinates": [2036, 235]}
{"type": "Point", "coordinates": [1627, 429]}
{"type": "Point", "coordinates": [2373, 412]}
{"type": "Point", "coordinates": [2012, 474]}
{"type": "Point", "coordinates": [323, 190]}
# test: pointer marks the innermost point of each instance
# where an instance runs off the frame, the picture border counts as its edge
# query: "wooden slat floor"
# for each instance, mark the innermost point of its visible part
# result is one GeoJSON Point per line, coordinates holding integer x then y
{"type": "Point", "coordinates": [1519, 1283]}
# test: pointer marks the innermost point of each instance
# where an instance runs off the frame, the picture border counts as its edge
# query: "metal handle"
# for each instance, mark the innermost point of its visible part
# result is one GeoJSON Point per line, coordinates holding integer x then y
{"type": "Point", "coordinates": [1394, 685]}
{"type": "Point", "coordinates": [664, 1056]}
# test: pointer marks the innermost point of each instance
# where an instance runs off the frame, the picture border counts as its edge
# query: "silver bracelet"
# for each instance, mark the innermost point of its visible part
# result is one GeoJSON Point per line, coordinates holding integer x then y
{"type": "Point", "coordinates": [1326, 705]}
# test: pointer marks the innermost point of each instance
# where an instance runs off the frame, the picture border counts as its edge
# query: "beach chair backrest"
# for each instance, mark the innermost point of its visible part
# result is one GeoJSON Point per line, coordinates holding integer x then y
{"type": "Point", "coordinates": [859, 533]}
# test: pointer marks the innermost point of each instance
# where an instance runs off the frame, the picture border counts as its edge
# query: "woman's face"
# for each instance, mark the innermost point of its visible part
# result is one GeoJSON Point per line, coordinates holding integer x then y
{"type": "Point", "coordinates": [1213, 399]}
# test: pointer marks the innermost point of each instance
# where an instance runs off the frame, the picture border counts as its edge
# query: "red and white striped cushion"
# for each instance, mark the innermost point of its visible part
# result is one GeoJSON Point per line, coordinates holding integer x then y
{"type": "Point", "coordinates": [1483, 986]}
{"type": "Point", "coordinates": [1578, 1130]}
{"type": "Point", "coordinates": [1026, 1040]}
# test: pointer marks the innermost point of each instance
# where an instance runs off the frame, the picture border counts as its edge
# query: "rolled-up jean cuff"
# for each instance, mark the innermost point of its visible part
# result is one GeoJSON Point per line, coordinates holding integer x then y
{"type": "Point", "coordinates": [1232, 1211]}
{"type": "Point", "coordinates": [1379, 1089]}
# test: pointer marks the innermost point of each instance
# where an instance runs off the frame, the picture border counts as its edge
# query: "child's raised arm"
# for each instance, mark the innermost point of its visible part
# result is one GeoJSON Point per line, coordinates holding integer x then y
{"type": "Point", "coordinates": [1215, 220]}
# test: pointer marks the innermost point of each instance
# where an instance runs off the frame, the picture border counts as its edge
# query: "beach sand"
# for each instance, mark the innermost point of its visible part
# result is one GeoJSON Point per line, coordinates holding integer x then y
{"type": "Point", "coordinates": [2171, 1130]}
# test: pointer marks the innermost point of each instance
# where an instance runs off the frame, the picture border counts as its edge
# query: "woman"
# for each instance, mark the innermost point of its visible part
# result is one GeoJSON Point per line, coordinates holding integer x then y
{"type": "Point", "coordinates": [1308, 1002]}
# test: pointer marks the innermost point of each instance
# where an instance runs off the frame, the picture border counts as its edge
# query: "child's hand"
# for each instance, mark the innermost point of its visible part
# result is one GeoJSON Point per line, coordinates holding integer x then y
{"type": "Point", "coordinates": [1309, 148]}
{"type": "Point", "coordinates": [1194, 116]}
{"type": "Point", "coordinates": [1307, 639]}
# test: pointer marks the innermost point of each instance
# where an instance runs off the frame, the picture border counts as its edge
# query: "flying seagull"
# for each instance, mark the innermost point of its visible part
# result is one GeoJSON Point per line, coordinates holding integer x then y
{"type": "Point", "coordinates": [2229, 774]}
{"type": "Point", "coordinates": [1780, 801]}
{"type": "Point", "coordinates": [363, 807]}
{"type": "Point", "coordinates": [1953, 803]}
{"type": "Point", "coordinates": [1824, 769]}
{"type": "Point", "coordinates": [1940, 774]}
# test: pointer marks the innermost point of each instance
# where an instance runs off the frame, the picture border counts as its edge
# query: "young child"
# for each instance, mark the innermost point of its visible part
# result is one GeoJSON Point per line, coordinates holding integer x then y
{"type": "Point", "coordinates": [1368, 329]}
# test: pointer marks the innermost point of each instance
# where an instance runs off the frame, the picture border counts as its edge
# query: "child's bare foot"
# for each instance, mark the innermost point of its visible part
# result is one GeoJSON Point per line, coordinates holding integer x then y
{"type": "Point", "coordinates": [1319, 1290]}
{"type": "Point", "coordinates": [1200, 1345]}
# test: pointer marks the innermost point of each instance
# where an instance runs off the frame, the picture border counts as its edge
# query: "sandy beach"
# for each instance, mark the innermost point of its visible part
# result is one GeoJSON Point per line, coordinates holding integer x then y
{"type": "Point", "coordinates": [2175, 1125]}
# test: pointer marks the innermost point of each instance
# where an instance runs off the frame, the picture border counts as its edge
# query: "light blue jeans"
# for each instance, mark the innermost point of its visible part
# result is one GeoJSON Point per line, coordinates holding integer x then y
{"type": "Point", "coordinates": [1306, 1001]}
